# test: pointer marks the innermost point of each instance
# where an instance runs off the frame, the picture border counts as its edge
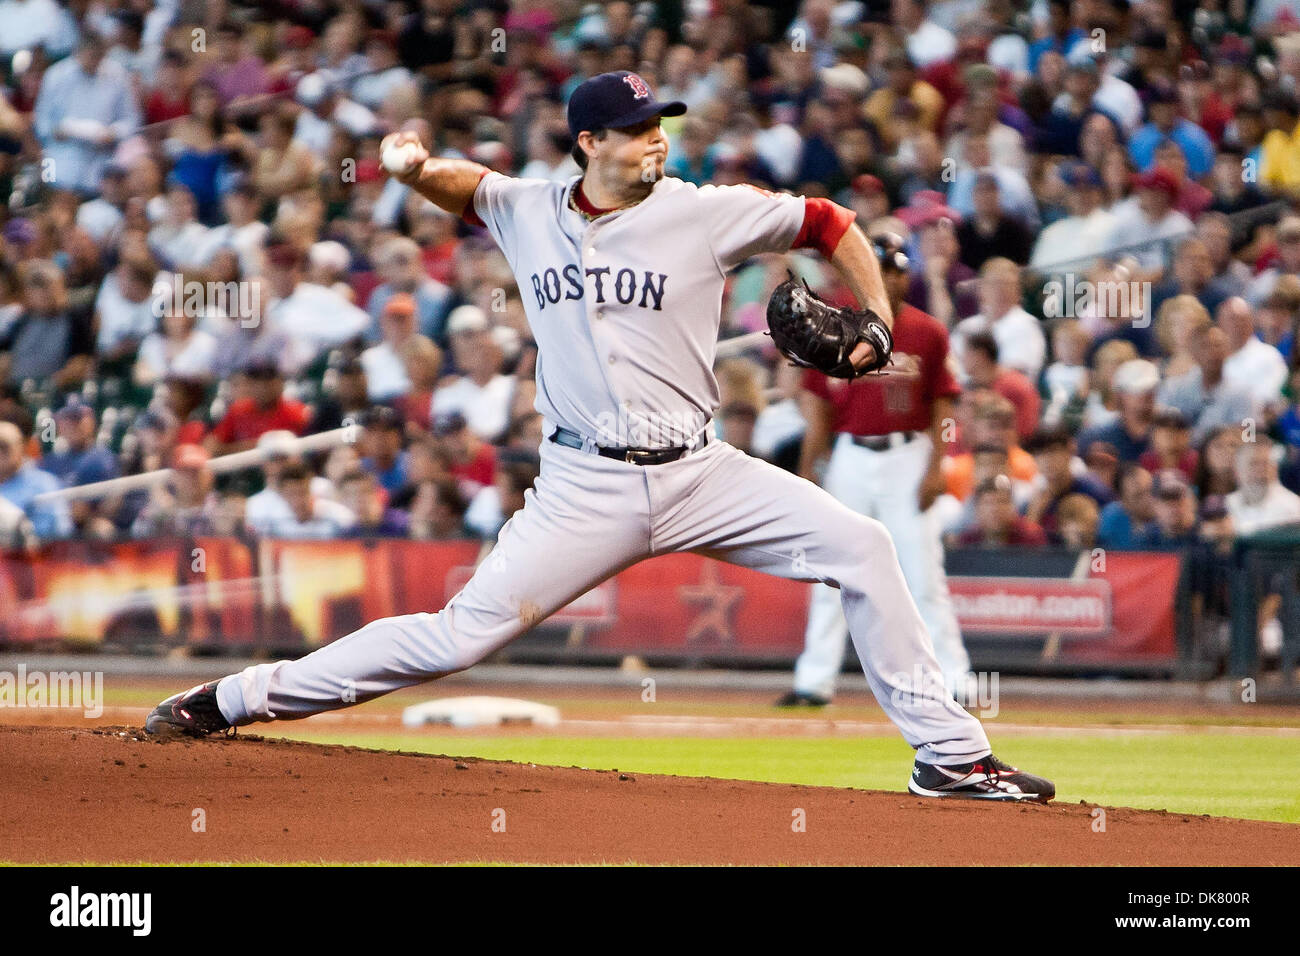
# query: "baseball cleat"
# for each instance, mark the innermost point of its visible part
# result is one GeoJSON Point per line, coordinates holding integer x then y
{"type": "Point", "coordinates": [193, 713]}
{"type": "Point", "coordinates": [796, 698]}
{"type": "Point", "coordinates": [986, 779]}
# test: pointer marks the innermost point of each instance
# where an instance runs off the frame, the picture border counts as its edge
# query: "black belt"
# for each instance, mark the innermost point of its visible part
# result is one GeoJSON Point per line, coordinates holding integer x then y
{"type": "Point", "coordinates": [883, 442]}
{"type": "Point", "coordinates": [633, 456]}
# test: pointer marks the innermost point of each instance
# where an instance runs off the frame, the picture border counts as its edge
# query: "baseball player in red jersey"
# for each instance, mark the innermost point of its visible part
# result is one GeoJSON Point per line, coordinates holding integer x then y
{"type": "Point", "coordinates": [622, 271]}
{"type": "Point", "coordinates": [884, 436]}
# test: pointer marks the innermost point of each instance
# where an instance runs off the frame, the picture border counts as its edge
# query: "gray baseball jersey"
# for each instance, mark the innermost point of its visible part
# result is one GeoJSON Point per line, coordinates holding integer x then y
{"type": "Point", "coordinates": [625, 308]}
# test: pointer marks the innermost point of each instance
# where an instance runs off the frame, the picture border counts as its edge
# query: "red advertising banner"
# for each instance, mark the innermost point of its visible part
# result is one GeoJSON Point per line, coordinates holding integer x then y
{"type": "Point", "coordinates": [290, 596]}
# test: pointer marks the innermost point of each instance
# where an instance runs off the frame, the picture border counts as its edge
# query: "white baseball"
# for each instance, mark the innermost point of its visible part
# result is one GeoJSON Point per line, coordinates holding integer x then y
{"type": "Point", "coordinates": [399, 159]}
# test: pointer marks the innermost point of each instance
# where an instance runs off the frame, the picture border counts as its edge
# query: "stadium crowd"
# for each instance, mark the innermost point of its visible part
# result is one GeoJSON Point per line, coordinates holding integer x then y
{"type": "Point", "coordinates": [1100, 199]}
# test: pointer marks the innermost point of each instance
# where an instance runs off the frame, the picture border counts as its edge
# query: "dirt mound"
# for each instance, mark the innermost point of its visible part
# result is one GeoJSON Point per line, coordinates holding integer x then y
{"type": "Point", "coordinates": [110, 794]}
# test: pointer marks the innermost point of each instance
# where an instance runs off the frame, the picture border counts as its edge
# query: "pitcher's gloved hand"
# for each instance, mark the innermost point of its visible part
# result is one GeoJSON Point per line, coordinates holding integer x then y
{"type": "Point", "coordinates": [815, 334]}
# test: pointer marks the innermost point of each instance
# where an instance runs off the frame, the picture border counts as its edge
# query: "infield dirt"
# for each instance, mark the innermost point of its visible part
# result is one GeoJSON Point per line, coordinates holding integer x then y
{"type": "Point", "coordinates": [109, 794]}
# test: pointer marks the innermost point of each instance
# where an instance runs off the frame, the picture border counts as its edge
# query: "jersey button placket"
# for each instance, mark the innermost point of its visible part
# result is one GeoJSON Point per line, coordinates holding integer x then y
{"type": "Point", "coordinates": [596, 309]}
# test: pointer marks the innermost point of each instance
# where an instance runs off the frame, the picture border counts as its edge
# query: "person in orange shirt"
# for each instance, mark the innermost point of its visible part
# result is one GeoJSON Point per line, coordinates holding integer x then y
{"type": "Point", "coordinates": [989, 420]}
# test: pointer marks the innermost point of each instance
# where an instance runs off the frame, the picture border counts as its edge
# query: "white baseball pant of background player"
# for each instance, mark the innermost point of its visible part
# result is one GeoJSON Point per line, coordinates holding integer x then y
{"type": "Point", "coordinates": [590, 517]}
{"type": "Point", "coordinates": [884, 485]}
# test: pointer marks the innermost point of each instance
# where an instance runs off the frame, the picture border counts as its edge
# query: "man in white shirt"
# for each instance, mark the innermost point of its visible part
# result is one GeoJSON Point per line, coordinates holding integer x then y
{"type": "Point", "coordinates": [326, 106]}
{"type": "Point", "coordinates": [1149, 217]}
{"type": "Point", "coordinates": [386, 377]}
{"type": "Point", "coordinates": [309, 517]}
{"type": "Point", "coordinates": [179, 239]}
{"type": "Point", "coordinates": [1260, 502]}
{"type": "Point", "coordinates": [927, 42]}
{"type": "Point", "coordinates": [315, 318]}
{"type": "Point", "coordinates": [1082, 236]}
{"type": "Point", "coordinates": [242, 231]}
{"type": "Point", "coordinates": [1253, 365]}
{"type": "Point", "coordinates": [268, 509]}
{"type": "Point", "coordinates": [481, 394]}
{"type": "Point", "coordinates": [1021, 343]}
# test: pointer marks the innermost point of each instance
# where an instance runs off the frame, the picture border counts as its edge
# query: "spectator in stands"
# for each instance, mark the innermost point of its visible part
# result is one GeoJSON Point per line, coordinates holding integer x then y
{"type": "Point", "coordinates": [85, 108]}
{"type": "Point", "coordinates": [310, 515]}
{"type": "Point", "coordinates": [944, 286]}
{"type": "Point", "coordinates": [269, 508]}
{"type": "Point", "coordinates": [1279, 317]}
{"type": "Point", "coordinates": [481, 393]}
{"type": "Point", "coordinates": [1203, 395]}
{"type": "Point", "coordinates": [21, 481]}
{"type": "Point", "coordinates": [1085, 233]}
{"type": "Point", "coordinates": [78, 460]}
{"type": "Point", "coordinates": [362, 495]}
{"type": "Point", "coordinates": [1216, 469]}
{"type": "Point", "coordinates": [313, 317]}
{"type": "Point", "coordinates": [1135, 383]}
{"type": "Point", "coordinates": [492, 507]}
{"type": "Point", "coordinates": [264, 409]}
{"type": "Point", "coordinates": [242, 231]}
{"type": "Point", "coordinates": [472, 461]}
{"type": "Point", "coordinates": [1123, 522]}
{"type": "Point", "coordinates": [402, 270]}
{"type": "Point", "coordinates": [1101, 407]}
{"type": "Point", "coordinates": [1164, 124]}
{"type": "Point", "coordinates": [1174, 524]}
{"type": "Point", "coordinates": [1252, 366]}
{"type": "Point", "coordinates": [1067, 380]}
{"type": "Point", "coordinates": [1053, 452]}
{"type": "Point", "coordinates": [179, 240]}
{"type": "Point", "coordinates": [381, 442]}
{"type": "Point", "coordinates": [1020, 340]}
{"type": "Point", "coordinates": [1288, 261]}
{"type": "Point", "coordinates": [178, 348]}
{"type": "Point", "coordinates": [1192, 274]}
{"type": "Point", "coordinates": [1077, 519]}
{"type": "Point", "coordinates": [1120, 309]}
{"type": "Point", "coordinates": [983, 369]}
{"type": "Point", "coordinates": [48, 340]}
{"type": "Point", "coordinates": [124, 313]}
{"type": "Point", "coordinates": [438, 511]}
{"type": "Point", "coordinates": [990, 232]}
{"type": "Point", "coordinates": [1178, 321]}
{"type": "Point", "coordinates": [386, 378]}
{"type": "Point", "coordinates": [1150, 214]}
{"type": "Point", "coordinates": [1171, 445]}
{"type": "Point", "coordinates": [986, 418]}
{"type": "Point", "coordinates": [184, 505]}
{"type": "Point", "coordinates": [344, 401]}
{"type": "Point", "coordinates": [1260, 502]}
{"type": "Point", "coordinates": [997, 524]}
{"type": "Point", "coordinates": [282, 167]}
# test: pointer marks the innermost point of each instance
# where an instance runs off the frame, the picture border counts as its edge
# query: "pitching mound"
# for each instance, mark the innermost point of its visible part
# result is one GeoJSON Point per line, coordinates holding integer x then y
{"type": "Point", "coordinates": [110, 794]}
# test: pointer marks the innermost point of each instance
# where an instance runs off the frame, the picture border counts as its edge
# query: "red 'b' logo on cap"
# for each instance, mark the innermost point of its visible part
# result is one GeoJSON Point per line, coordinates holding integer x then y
{"type": "Point", "coordinates": [639, 89]}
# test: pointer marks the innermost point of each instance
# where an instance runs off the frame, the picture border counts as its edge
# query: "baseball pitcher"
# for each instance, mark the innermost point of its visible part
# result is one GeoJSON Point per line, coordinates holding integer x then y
{"type": "Point", "coordinates": [622, 272]}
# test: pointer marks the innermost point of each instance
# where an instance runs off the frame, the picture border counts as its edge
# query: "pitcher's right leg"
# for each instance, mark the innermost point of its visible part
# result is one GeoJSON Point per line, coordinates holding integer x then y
{"type": "Point", "coordinates": [587, 520]}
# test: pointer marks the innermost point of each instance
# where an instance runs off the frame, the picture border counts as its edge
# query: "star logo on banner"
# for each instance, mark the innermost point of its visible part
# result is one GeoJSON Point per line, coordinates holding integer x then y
{"type": "Point", "coordinates": [716, 601]}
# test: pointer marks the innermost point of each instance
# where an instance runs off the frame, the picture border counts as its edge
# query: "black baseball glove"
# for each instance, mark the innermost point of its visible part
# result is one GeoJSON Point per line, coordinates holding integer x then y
{"type": "Point", "coordinates": [812, 333]}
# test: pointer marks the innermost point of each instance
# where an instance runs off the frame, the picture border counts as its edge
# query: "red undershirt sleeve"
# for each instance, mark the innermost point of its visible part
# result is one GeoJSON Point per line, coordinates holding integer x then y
{"type": "Point", "coordinates": [824, 224]}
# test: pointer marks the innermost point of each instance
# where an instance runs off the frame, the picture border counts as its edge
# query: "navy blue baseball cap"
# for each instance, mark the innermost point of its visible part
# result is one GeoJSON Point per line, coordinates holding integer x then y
{"type": "Point", "coordinates": [615, 100]}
